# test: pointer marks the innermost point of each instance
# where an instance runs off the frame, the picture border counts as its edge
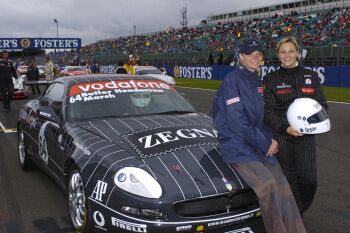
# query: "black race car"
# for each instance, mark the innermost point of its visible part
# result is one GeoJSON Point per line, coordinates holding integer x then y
{"type": "Point", "coordinates": [133, 155]}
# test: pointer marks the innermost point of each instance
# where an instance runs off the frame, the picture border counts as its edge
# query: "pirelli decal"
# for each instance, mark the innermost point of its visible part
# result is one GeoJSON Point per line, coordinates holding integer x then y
{"type": "Point", "coordinates": [157, 141]}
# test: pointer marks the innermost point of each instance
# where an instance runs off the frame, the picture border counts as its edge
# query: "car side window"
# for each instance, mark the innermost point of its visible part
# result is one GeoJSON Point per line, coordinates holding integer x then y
{"type": "Point", "coordinates": [53, 94]}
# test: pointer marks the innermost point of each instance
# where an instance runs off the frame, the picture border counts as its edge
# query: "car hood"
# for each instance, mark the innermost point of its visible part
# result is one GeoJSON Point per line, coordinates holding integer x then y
{"type": "Point", "coordinates": [180, 151]}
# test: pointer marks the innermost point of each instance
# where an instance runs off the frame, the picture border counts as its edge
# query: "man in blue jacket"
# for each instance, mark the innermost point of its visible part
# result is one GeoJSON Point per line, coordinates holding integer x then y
{"type": "Point", "coordinates": [246, 143]}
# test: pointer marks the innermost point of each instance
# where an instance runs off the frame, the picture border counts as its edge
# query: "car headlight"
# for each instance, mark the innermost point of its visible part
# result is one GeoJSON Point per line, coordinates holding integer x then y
{"type": "Point", "coordinates": [137, 181]}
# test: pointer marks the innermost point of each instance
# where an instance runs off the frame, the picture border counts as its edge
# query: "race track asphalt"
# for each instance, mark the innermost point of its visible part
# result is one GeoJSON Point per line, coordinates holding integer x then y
{"type": "Point", "coordinates": [30, 202]}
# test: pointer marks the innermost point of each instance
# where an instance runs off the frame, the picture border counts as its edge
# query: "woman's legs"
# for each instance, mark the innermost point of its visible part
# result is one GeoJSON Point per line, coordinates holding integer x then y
{"type": "Point", "coordinates": [279, 211]}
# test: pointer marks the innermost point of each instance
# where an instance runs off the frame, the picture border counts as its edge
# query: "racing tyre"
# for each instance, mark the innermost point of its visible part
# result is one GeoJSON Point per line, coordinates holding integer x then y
{"type": "Point", "coordinates": [78, 204]}
{"type": "Point", "coordinates": [23, 156]}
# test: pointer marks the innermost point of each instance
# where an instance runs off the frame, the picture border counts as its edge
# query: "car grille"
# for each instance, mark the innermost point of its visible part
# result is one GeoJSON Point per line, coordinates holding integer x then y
{"type": "Point", "coordinates": [217, 204]}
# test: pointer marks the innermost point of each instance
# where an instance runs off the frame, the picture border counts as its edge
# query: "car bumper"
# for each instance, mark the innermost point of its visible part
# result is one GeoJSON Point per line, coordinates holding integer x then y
{"type": "Point", "coordinates": [107, 219]}
{"type": "Point", "coordinates": [20, 94]}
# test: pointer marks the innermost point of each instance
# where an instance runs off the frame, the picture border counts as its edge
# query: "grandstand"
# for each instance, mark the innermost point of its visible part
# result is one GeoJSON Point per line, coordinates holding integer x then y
{"type": "Point", "coordinates": [322, 27]}
{"type": "Point", "coordinates": [287, 7]}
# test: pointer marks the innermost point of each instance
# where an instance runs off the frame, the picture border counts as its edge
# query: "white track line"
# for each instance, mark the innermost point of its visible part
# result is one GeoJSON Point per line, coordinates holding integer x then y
{"type": "Point", "coordinates": [7, 130]}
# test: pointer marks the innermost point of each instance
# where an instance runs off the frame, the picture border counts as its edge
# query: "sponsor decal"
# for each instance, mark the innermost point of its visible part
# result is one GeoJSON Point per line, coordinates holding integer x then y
{"type": "Point", "coordinates": [284, 91]}
{"type": "Point", "coordinates": [310, 130]}
{"type": "Point", "coordinates": [184, 228]}
{"type": "Point", "coordinates": [99, 190]}
{"type": "Point", "coordinates": [162, 140]}
{"type": "Point", "coordinates": [230, 220]}
{"type": "Point", "coordinates": [45, 43]}
{"type": "Point", "coordinates": [177, 168]}
{"type": "Point", "coordinates": [201, 72]}
{"type": "Point", "coordinates": [119, 86]}
{"type": "Point", "coordinates": [242, 230]}
{"type": "Point", "coordinates": [283, 86]}
{"type": "Point", "coordinates": [81, 147]}
{"type": "Point", "coordinates": [45, 114]}
{"type": "Point", "coordinates": [200, 228]}
{"type": "Point", "coordinates": [232, 101]}
{"type": "Point", "coordinates": [308, 90]}
{"type": "Point", "coordinates": [308, 81]}
{"type": "Point", "coordinates": [96, 95]}
{"type": "Point", "coordinates": [227, 183]}
{"type": "Point", "coordinates": [129, 226]}
{"type": "Point", "coordinates": [25, 43]}
{"type": "Point", "coordinates": [99, 220]}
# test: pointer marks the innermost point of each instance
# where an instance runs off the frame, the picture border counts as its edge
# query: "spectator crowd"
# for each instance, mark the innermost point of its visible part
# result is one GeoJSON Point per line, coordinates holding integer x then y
{"type": "Point", "coordinates": [327, 28]}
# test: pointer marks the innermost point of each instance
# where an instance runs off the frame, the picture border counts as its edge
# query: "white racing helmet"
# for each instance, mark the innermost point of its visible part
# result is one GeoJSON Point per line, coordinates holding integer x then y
{"type": "Point", "coordinates": [308, 116]}
{"type": "Point", "coordinates": [140, 100]}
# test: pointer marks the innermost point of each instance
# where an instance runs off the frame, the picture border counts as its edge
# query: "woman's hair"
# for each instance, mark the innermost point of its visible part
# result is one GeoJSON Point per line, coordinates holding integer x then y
{"type": "Point", "coordinates": [290, 39]}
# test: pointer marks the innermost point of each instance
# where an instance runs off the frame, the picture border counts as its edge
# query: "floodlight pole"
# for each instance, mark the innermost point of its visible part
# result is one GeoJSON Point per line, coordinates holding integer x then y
{"type": "Point", "coordinates": [56, 22]}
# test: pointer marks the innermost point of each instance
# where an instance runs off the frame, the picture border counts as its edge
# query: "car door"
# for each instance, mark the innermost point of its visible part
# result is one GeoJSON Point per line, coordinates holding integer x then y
{"type": "Point", "coordinates": [50, 152]}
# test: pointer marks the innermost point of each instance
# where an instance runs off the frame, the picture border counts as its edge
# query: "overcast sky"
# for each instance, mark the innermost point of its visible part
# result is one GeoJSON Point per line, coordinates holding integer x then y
{"type": "Point", "coordinates": [93, 20]}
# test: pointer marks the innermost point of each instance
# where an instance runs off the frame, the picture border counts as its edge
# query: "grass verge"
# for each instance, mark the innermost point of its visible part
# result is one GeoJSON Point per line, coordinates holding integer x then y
{"type": "Point", "coordinates": [332, 93]}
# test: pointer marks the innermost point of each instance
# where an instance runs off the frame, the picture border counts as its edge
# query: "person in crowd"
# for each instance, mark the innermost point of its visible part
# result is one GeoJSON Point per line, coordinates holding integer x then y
{"type": "Point", "coordinates": [246, 143]}
{"type": "Point", "coordinates": [211, 59]}
{"type": "Point", "coordinates": [297, 153]}
{"type": "Point", "coordinates": [120, 68]}
{"type": "Point", "coordinates": [7, 71]}
{"type": "Point", "coordinates": [49, 69]}
{"type": "Point", "coordinates": [220, 59]}
{"type": "Point", "coordinates": [33, 75]}
{"type": "Point", "coordinates": [88, 68]}
{"type": "Point", "coordinates": [130, 64]}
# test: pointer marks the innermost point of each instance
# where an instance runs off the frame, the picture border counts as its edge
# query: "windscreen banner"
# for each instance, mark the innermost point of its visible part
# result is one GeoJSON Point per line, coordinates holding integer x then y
{"type": "Point", "coordinates": [39, 43]}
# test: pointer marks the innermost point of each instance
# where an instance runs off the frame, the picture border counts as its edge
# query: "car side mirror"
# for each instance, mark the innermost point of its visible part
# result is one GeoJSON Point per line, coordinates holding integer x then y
{"type": "Point", "coordinates": [49, 114]}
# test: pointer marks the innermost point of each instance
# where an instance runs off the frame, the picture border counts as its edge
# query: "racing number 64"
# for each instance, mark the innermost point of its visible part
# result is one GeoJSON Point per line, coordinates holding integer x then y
{"type": "Point", "coordinates": [43, 145]}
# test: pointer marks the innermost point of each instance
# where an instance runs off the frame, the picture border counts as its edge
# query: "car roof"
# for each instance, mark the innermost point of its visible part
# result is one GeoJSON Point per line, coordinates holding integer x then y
{"type": "Point", "coordinates": [68, 81]}
{"type": "Point", "coordinates": [144, 67]}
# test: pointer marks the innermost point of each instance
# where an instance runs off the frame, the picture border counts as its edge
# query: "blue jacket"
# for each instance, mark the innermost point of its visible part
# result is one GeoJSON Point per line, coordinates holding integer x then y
{"type": "Point", "coordinates": [238, 113]}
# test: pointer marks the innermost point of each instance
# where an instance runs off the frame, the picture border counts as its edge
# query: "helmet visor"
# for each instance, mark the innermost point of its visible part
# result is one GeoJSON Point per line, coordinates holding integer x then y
{"type": "Point", "coordinates": [318, 117]}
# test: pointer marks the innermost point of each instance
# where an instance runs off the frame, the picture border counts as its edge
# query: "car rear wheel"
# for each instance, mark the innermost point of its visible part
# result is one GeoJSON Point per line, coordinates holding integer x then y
{"type": "Point", "coordinates": [78, 203]}
{"type": "Point", "coordinates": [23, 156]}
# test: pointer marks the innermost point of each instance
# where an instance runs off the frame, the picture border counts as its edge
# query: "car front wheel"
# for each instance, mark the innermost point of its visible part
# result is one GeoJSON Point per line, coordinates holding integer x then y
{"type": "Point", "coordinates": [23, 156]}
{"type": "Point", "coordinates": [78, 204]}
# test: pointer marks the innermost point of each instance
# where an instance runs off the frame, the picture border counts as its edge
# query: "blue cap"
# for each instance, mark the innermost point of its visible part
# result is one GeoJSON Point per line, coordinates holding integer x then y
{"type": "Point", "coordinates": [250, 46]}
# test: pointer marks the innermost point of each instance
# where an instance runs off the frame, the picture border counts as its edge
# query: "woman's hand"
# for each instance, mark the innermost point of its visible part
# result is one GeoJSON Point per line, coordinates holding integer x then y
{"type": "Point", "coordinates": [273, 148]}
{"type": "Point", "coordinates": [293, 132]}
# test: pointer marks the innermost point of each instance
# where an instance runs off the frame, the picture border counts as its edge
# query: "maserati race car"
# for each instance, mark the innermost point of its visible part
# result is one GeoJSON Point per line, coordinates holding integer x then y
{"type": "Point", "coordinates": [73, 71]}
{"type": "Point", "coordinates": [151, 71]}
{"type": "Point", "coordinates": [133, 155]}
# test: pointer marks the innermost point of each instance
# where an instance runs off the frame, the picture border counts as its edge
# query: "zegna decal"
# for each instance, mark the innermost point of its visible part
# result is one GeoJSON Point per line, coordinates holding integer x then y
{"type": "Point", "coordinates": [157, 141]}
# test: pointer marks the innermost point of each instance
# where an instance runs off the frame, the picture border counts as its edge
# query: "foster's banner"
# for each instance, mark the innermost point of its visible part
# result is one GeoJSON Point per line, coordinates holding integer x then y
{"type": "Point", "coordinates": [40, 43]}
{"type": "Point", "coordinates": [336, 76]}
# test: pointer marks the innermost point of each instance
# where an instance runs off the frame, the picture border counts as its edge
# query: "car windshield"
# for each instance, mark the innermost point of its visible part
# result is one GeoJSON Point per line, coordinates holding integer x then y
{"type": "Point", "coordinates": [75, 69]}
{"type": "Point", "coordinates": [123, 98]}
{"type": "Point", "coordinates": [148, 71]}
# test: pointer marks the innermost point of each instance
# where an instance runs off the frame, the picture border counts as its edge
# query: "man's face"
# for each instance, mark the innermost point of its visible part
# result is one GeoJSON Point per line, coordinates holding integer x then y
{"type": "Point", "coordinates": [5, 56]}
